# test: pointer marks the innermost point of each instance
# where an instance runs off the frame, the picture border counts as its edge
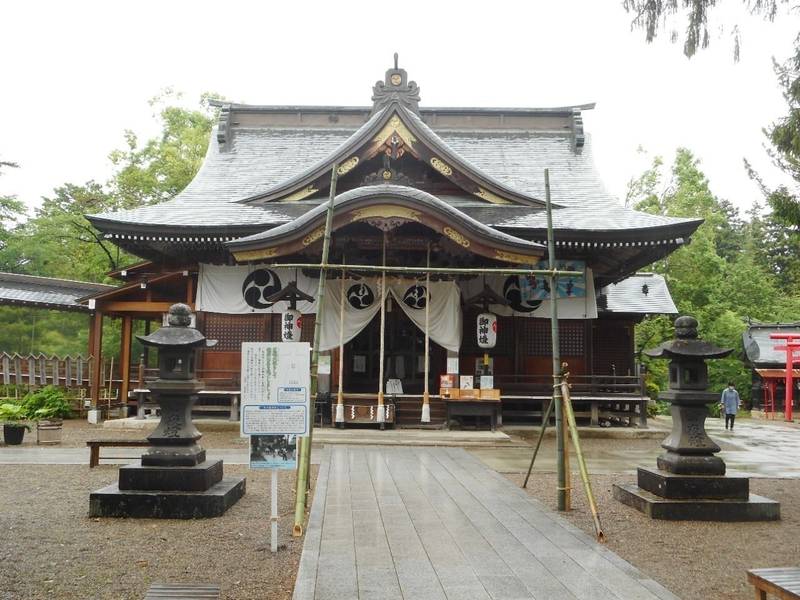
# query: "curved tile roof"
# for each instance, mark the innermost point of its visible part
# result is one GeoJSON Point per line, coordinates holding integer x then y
{"type": "Point", "coordinates": [256, 159]}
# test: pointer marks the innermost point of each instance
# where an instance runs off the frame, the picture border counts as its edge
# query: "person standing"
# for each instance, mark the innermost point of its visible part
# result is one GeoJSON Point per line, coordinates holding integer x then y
{"type": "Point", "coordinates": [730, 401]}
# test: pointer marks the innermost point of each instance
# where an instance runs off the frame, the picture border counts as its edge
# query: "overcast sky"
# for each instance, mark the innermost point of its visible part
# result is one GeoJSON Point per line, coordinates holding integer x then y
{"type": "Point", "coordinates": [76, 74]}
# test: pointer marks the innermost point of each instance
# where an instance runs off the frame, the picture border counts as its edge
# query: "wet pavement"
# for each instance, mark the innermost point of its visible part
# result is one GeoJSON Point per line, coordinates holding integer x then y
{"type": "Point", "coordinates": [400, 522]}
{"type": "Point", "coordinates": [755, 448]}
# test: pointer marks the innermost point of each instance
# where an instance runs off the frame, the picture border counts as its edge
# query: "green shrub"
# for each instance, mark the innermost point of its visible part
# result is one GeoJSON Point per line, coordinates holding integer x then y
{"type": "Point", "coordinates": [651, 390]}
{"type": "Point", "coordinates": [659, 407]}
{"type": "Point", "coordinates": [14, 414]}
{"type": "Point", "coordinates": [47, 403]}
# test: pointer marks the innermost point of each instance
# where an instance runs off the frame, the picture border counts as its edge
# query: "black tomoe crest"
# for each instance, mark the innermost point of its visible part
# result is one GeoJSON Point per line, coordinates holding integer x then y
{"type": "Point", "coordinates": [513, 294]}
{"type": "Point", "coordinates": [260, 285]}
{"type": "Point", "coordinates": [416, 296]}
{"type": "Point", "coordinates": [360, 296]}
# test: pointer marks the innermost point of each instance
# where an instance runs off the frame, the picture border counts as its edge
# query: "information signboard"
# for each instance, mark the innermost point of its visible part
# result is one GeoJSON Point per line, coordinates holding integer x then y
{"type": "Point", "coordinates": [276, 378]}
{"type": "Point", "coordinates": [276, 385]}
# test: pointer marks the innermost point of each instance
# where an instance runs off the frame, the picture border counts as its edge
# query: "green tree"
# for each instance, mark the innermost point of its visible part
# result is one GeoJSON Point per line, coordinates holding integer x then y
{"type": "Point", "coordinates": [161, 167]}
{"type": "Point", "coordinates": [784, 136]}
{"type": "Point", "coordinates": [57, 241]}
{"type": "Point", "coordinates": [657, 16]}
{"type": "Point", "coordinates": [723, 277]}
{"type": "Point", "coordinates": [11, 211]}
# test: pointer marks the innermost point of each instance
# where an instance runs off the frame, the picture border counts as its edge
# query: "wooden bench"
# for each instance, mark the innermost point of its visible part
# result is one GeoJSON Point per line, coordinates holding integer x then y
{"type": "Point", "coordinates": [182, 591]}
{"type": "Point", "coordinates": [473, 408]}
{"type": "Point", "coordinates": [783, 583]}
{"type": "Point", "coordinates": [95, 445]}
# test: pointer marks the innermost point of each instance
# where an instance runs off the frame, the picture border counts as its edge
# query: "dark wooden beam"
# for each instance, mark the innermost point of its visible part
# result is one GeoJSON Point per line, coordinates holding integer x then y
{"type": "Point", "coordinates": [122, 306]}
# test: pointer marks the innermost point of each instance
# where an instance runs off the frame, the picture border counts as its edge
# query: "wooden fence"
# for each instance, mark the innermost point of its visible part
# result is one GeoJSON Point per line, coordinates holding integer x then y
{"type": "Point", "coordinates": [34, 370]}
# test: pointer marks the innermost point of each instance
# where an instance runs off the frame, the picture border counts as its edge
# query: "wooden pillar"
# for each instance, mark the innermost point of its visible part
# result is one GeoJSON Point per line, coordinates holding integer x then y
{"type": "Point", "coordinates": [339, 417]}
{"type": "Point", "coordinates": [147, 329]}
{"type": "Point", "coordinates": [96, 352]}
{"type": "Point", "coordinates": [426, 400]}
{"type": "Point", "coordinates": [125, 358]}
{"type": "Point", "coordinates": [381, 418]}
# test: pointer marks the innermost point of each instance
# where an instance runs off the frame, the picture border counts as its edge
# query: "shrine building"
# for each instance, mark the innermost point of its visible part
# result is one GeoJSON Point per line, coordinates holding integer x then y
{"type": "Point", "coordinates": [416, 187]}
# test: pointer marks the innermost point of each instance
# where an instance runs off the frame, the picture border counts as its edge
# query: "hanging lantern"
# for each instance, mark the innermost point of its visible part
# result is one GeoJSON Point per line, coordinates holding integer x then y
{"type": "Point", "coordinates": [487, 330]}
{"type": "Point", "coordinates": [291, 325]}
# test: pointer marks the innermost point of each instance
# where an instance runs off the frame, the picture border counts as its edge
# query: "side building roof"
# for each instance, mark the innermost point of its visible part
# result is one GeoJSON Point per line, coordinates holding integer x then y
{"type": "Point", "coordinates": [641, 293]}
{"type": "Point", "coordinates": [760, 349]}
{"type": "Point", "coordinates": [46, 292]}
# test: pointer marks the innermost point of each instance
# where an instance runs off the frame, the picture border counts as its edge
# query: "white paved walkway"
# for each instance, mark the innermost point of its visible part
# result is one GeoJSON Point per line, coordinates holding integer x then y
{"type": "Point", "coordinates": [435, 523]}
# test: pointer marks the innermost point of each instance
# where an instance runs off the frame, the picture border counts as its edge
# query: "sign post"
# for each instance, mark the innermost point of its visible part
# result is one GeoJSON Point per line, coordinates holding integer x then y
{"type": "Point", "coordinates": [275, 409]}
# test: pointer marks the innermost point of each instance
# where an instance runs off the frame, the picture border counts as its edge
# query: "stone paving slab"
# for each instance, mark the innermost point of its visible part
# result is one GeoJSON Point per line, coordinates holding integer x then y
{"type": "Point", "coordinates": [435, 523]}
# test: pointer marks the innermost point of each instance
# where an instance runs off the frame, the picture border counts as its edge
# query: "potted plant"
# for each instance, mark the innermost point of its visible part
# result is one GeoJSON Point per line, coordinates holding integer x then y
{"type": "Point", "coordinates": [13, 417]}
{"type": "Point", "coordinates": [48, 407]}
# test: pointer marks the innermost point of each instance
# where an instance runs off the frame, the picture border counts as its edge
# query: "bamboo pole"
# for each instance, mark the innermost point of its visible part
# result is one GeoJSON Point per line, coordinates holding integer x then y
{"type": "Point", "coordinates": [565, 436]}
{"type": "Point", "coordinates": [573, 427]}
{"type": "Point", "coordinates": [433, 270]}
{"type": "Point", "coordinates": [545, 421]}
{"type": "Point", "coordinates": [553, 280]}
{"type": "Point", "coordinates": [304, 462]}
{"type": "Point", "coordinates": [426, 399]}
{"type": "Point", "coordinates": [380, 417]}
{"type": "Point", "coordinates": [340, 392]}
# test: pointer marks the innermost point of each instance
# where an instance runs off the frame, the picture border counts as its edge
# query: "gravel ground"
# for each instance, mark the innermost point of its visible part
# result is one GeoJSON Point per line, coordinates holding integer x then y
{"type": "Point", "coordinates": [50, 548]}
{"type": "Point", "coordinates": [695, 560]}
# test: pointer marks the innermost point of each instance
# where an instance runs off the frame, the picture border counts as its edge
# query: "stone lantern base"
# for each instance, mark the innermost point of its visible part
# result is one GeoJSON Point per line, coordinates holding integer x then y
{"type": "Point", "coordinates": [674, 497]}
{"type": "Point", "coordinates": [160, 503]}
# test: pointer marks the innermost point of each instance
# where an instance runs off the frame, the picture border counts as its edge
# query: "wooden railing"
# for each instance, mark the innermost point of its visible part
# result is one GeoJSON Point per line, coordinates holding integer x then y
{"type": "Point", "coordinates": [581, 385]}
{"type": "Point", "coordinates": [216, 379]}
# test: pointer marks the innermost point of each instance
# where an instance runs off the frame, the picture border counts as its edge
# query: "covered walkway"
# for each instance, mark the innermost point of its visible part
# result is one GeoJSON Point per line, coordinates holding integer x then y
{"type": "Point", "coordinates": [425, 523]}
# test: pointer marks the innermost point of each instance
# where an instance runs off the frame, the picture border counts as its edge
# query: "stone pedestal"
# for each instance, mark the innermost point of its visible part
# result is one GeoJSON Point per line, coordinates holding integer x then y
{"type": "Point", "coordinates": [666, 496]}
{"type": "Point", "coordinates": [159, 504]}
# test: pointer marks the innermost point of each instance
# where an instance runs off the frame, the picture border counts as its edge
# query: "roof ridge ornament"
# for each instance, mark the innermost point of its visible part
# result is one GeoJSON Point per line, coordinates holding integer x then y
{"type": "Point", "coordinates": [395, 88]}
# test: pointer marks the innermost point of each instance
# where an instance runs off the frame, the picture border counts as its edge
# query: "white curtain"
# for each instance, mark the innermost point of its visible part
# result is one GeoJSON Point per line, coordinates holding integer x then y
{"type": "Point", "coordinates": [362, 302]}
{"type": "Point", "coordinates": [445, 322]}
{"type": "Point", "coordinates": [243, 289]}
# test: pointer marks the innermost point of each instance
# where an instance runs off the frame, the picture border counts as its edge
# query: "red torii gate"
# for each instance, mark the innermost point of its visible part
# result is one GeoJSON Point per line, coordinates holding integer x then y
{"type": "Point", "coordinates": [792, 349]}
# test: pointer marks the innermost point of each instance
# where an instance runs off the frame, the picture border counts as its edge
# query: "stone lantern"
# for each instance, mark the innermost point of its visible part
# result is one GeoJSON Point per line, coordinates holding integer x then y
{"type": "Point", "coordinates": [174, 479]}
{"type": "Point", "coordinates": [690, 481]}
{"type": "Point", "coordinates": [175, 439]}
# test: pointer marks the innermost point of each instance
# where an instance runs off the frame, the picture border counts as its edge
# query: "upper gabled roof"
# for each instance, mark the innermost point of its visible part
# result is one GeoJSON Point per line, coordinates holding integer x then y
{"type": "Point", "coordinates": [392, 202]}
{"type": "Point", "coordinates": [394, 125]}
